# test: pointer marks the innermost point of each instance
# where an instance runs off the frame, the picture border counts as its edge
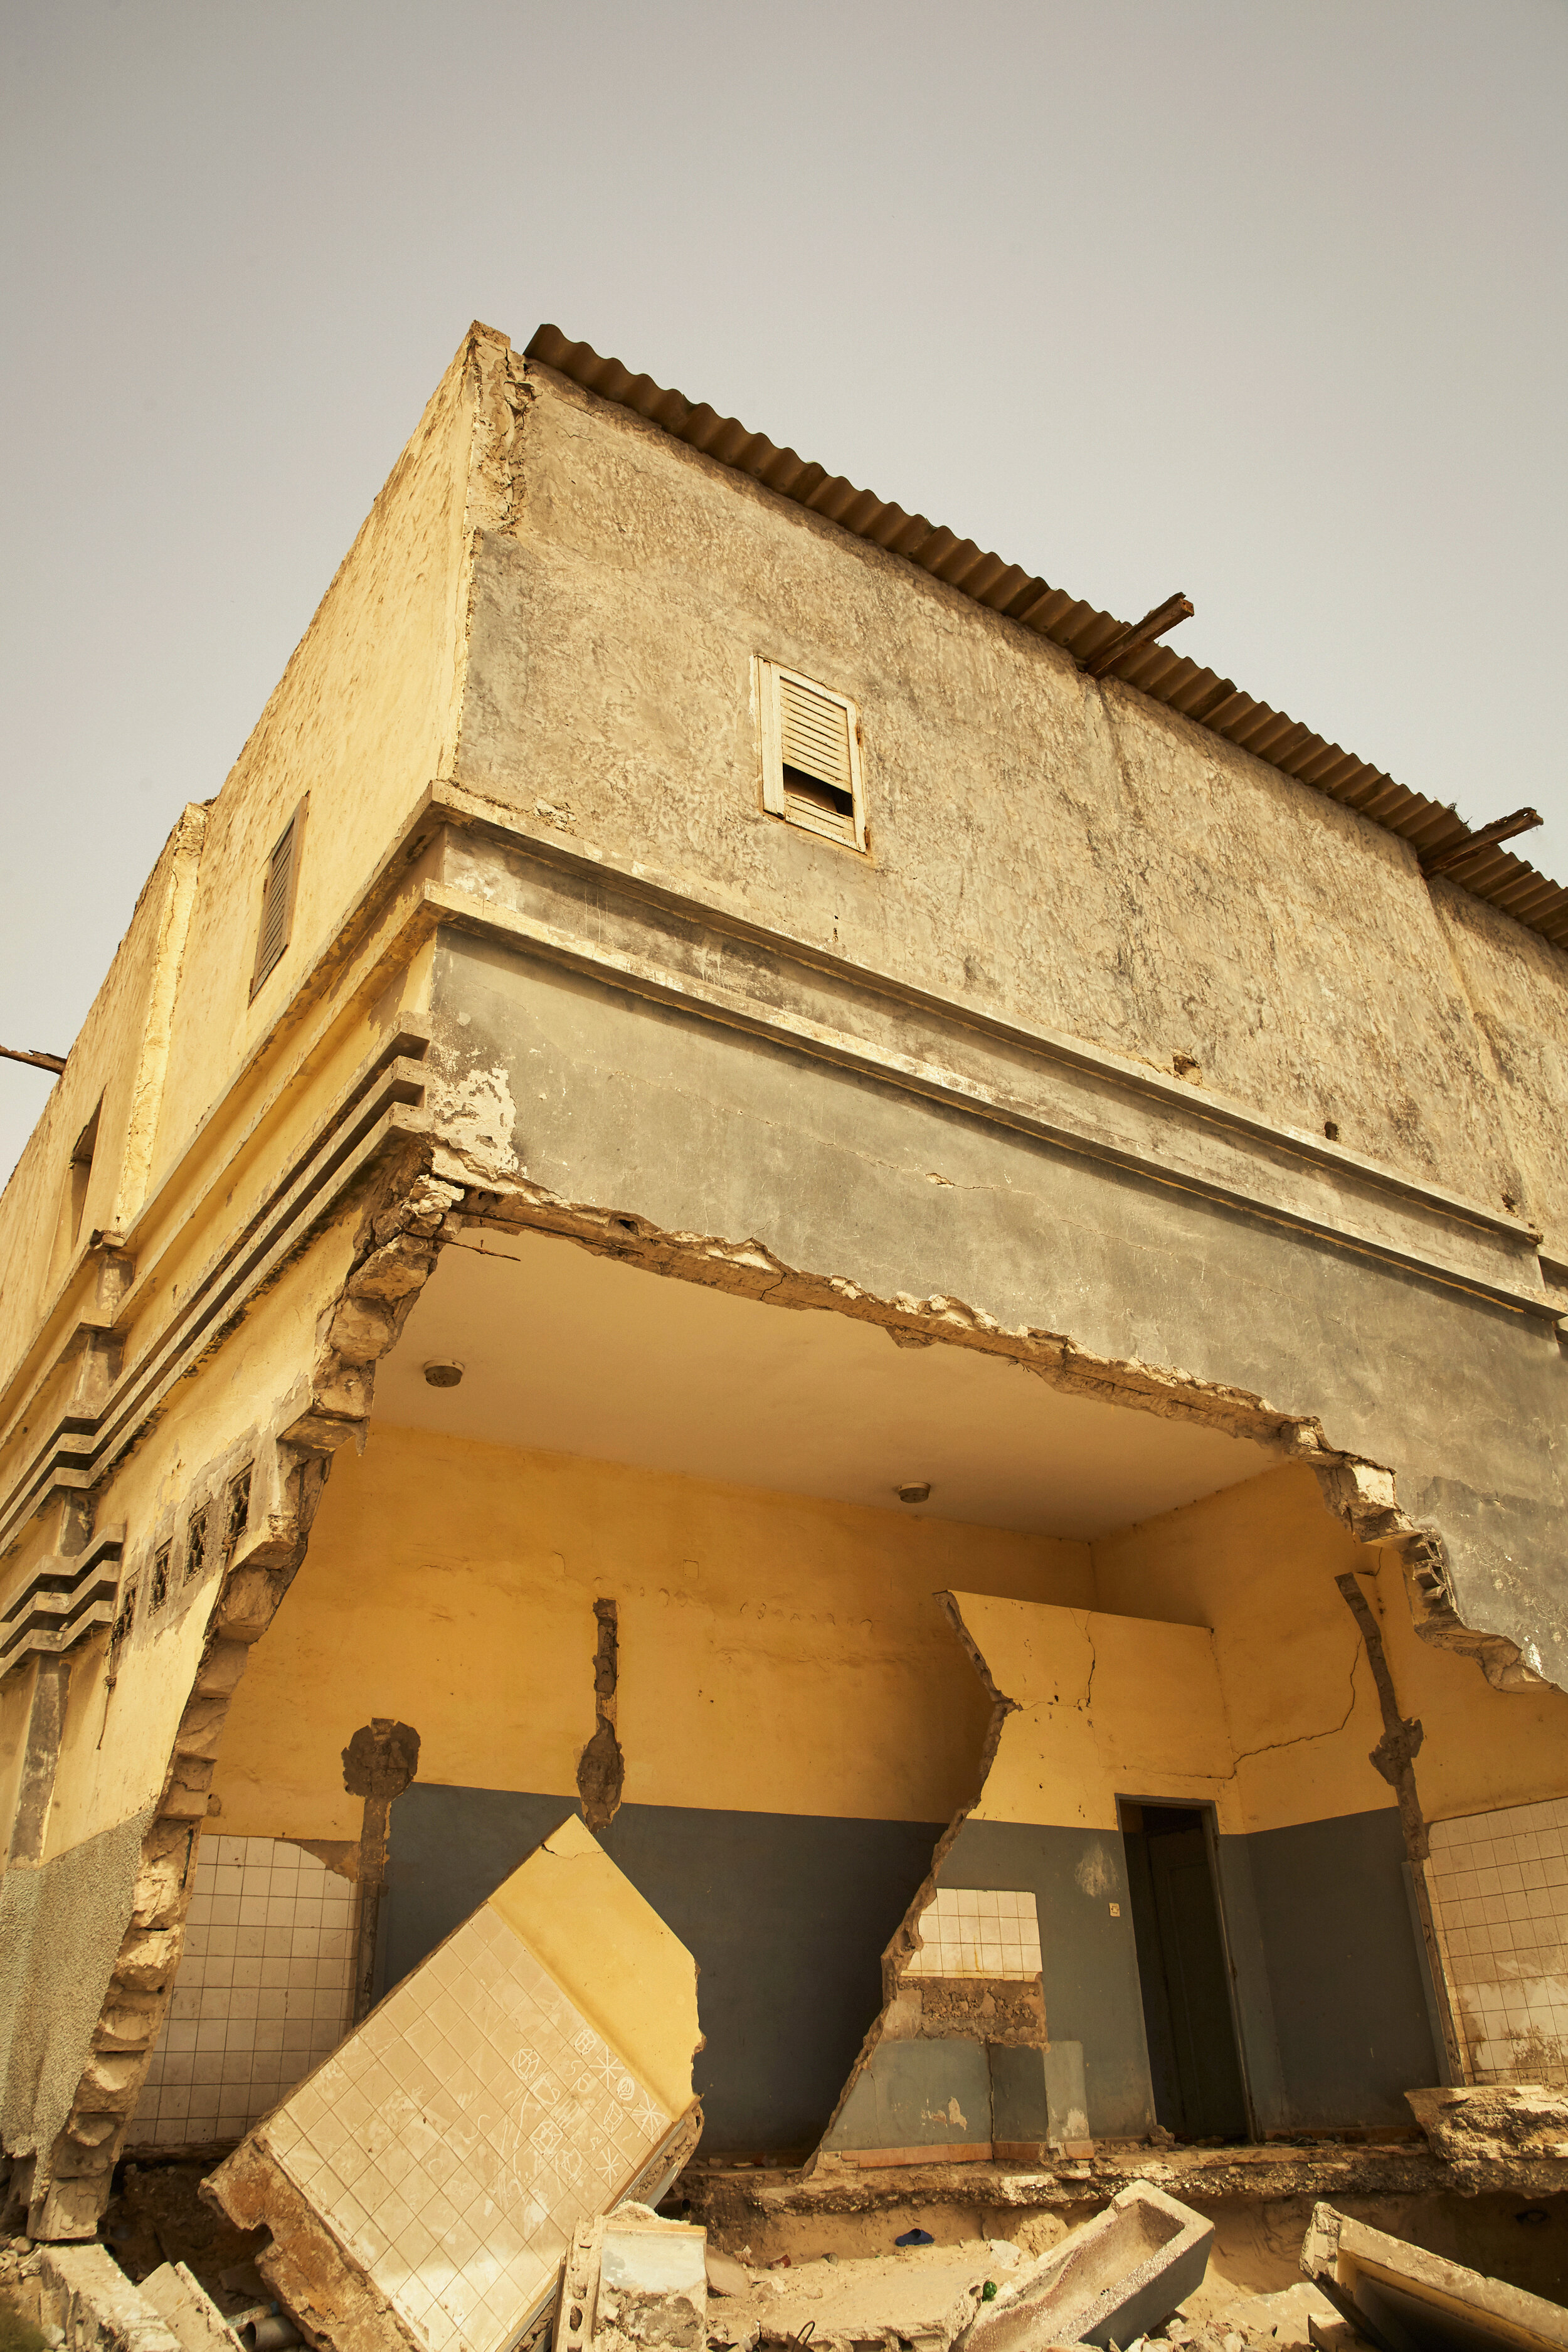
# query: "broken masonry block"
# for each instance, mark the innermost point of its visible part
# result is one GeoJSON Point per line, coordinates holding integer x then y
{"type": "Point", "coordinates": [1402, 2299]}
{"type": "Point", "coordinates": [186, 2309]}
{"type": "Point", "coordinates": [423, 2186]}
{"type": "Point", "coordinates": [1118, 2278]}
{"type": "Point", "coordinates": [634, 2283]}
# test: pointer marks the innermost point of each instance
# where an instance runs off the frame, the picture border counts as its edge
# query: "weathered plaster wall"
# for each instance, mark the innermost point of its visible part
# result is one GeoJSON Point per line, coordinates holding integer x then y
{"type": "Point", "coordinates": [778, 1653]}
{"type": "Point", "coordinates": [361, 719]}
{"type": "Point", "coordinates": [117, 1058]}
{"type": "Point", "coordinates": [1040, 845]}
{"type": "Point", "coordinates": [1517, 983]}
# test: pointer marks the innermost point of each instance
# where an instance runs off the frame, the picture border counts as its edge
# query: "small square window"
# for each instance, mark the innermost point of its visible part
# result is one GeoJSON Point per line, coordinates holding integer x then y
{"type": "Point", "coordinates": [811, 755]}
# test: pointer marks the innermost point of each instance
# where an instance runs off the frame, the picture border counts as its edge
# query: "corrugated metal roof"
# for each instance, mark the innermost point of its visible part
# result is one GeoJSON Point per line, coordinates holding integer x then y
{"type": "Point", "coordinates": [1155, 669]}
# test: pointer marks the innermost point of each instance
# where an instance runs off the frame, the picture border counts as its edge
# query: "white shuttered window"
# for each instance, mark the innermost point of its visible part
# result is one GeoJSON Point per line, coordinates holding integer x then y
{"type": "Point", "coordinates": [811, 755]}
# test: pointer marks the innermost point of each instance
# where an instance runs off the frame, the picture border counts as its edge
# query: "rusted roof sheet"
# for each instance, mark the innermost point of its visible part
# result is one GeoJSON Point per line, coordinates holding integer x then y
{"type": "Point", "coordinates": [1494, 874]}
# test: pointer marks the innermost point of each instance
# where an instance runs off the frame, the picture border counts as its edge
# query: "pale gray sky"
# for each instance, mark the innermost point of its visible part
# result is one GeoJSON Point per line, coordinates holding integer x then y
{"type": "Point", "coordinates": [1261, 301]}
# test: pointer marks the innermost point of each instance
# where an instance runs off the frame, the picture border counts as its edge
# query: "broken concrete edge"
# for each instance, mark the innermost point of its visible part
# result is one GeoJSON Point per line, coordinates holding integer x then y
{"type": "Point", "coordinates": [325, 2290]}
{"type": "Point", "coordinates": [1359, 1492]}
{"type": "Point", "coordinates": [400, 1210]}
{"type": "Point", "coordinates": [1337, 2251]}
{"type": "Point", "coordinates": [1491, 2123]}
{"type": "Point", "coordinates": [180, 2299]}
{"type": "Point", "coordinates": [96, 2304]}
{"type": "Point", "coordinates": [734, 2199]}
{"type": "Point", "coordinates": [411, 1204]}
{"type": "Point", "coordinates": [331, 2302]}
{"type": "Point", "coordinates": [906, 1939]}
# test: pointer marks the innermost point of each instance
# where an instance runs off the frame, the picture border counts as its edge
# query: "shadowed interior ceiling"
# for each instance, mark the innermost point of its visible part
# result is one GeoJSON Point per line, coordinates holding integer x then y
{"type": "Point", "coordinates": [575, 1354]}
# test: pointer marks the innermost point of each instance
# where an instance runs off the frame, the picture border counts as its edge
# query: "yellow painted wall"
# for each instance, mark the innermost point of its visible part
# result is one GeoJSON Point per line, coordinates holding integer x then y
{"type": "Point", "coordinates": [109, 1062]}
{"type": "Point", "coordinates": [1103, 1706]}
{"type": "Point", "coordinates": [115, 1751]}
{"type": "Point", "coordinates": [1258, 1563]}
{"type": "Point", "coordinates": [778, 1652]}
{"type": "Point", "coordinates": [362, 719]}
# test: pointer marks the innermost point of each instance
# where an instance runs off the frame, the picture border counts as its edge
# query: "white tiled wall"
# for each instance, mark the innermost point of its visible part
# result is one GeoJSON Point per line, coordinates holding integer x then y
{"type": "Point", "coordinates": [262, 1995]}
{"type": "Point", "coordinates": [970, 1932]}
{"type": "Point", "coordinates": [1500, 1885]}
{"type": "Point", "coordinates": [458, 2137]}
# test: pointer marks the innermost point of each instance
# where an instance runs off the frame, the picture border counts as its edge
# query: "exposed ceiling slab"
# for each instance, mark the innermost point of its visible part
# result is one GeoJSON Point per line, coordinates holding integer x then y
{"type": "Point", "coordinates": [569, 1353]}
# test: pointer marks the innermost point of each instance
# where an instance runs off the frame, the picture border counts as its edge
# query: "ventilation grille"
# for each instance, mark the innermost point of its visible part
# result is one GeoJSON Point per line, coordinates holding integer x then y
{"type": "Point", "coordinates": [277, 901]}
{"type": "Point", "coordinates": [811, 761]}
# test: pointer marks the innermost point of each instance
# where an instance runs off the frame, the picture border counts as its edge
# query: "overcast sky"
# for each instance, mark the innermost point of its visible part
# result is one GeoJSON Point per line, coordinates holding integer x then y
{"type": "Point", "coordinates": [1261, 301]}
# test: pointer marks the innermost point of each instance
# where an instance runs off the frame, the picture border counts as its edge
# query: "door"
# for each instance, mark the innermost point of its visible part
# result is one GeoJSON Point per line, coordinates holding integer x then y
{"type": "Point", "coordinates": [1184, 1973]}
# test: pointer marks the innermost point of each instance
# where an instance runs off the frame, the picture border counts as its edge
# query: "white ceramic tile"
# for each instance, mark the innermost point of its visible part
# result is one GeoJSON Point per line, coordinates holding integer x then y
{"type": "Point", "coordinates": [228, 2011]}
{"type": "Point", "coordinates": [462, 2211]}
{"type": "Point", "coordinates": [978, 1932]}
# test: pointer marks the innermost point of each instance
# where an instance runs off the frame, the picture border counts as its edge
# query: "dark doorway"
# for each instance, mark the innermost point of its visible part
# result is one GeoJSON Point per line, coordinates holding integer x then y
{"type": "Point", "coordinates": [1182, 1971]}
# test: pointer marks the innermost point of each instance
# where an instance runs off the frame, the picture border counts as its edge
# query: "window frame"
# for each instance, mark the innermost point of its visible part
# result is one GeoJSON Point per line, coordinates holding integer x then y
{"type": "Point", "coordinates": [291, 837]}
{"type": "Point", "coordinates": [770, 677]}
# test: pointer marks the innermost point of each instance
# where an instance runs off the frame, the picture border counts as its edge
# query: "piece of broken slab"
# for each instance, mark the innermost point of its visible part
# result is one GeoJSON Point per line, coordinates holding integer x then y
{"type": "Point", "coordinates": [1403, 2299]}
{"type": "Point", "coordinates": [634, 2283]}
{"type": "Point", "coordinates": [1118, 2278]}
{"type": "Point", "coordinates": [181, 2301]}
{"type": "Point", "coordinates": [423, 2186]}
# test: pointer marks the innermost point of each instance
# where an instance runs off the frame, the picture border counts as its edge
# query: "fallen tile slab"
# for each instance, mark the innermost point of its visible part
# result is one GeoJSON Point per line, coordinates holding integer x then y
{"type": "Point", "coordinates": [1403, 2299]}
{"type": "Point", "coordinates": [1118, 2277]}
{"type": "Point", "coordinates": [422, 2187]}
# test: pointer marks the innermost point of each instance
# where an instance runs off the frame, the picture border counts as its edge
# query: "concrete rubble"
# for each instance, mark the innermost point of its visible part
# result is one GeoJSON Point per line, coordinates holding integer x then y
{"type": "Point", "coordinates": [1400, 2299]}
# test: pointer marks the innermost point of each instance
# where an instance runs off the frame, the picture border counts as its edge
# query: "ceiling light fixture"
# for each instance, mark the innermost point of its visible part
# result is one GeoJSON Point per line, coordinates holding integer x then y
{"type": "Point", "coordinates": [443, 1376]}
{"type": "Point", "coordinates": [919, 1491]}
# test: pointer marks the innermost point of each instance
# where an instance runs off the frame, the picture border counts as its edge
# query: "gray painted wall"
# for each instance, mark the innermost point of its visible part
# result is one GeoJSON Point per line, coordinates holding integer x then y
{"type": "Point", "coordinates": [787, 1916]}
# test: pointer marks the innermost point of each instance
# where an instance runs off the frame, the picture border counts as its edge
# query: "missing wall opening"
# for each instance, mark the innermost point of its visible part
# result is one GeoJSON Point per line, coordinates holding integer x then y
{"type": "Point", "coordinates": [237, 1512]}
{"type": "Point", "coordinates": [195, 1546]}
{"type": "Point", "coordinates": [73, 1198]}
{"type": "Point", "coordinates": [120, 1631]}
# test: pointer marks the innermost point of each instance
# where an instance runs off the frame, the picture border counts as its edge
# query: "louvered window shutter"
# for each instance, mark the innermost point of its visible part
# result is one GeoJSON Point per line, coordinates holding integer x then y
{"type": "Point", "coordinates": [277, 899]}
{"type": "Point", "coordinates": [811, 756]}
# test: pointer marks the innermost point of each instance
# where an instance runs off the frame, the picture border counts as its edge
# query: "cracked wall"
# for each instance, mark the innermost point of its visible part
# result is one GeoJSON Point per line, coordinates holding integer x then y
{"type": "Point", "coordinates": [1223, 1667]}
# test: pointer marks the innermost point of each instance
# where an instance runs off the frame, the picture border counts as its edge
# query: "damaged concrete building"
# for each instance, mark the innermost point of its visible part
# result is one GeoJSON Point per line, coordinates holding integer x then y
{"type": "Point", "coordinates": [928, 1252]}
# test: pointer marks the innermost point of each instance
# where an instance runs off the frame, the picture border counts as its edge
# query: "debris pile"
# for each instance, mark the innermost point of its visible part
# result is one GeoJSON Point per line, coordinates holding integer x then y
{"type": "Point", "coordinates": [477, 2168]}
